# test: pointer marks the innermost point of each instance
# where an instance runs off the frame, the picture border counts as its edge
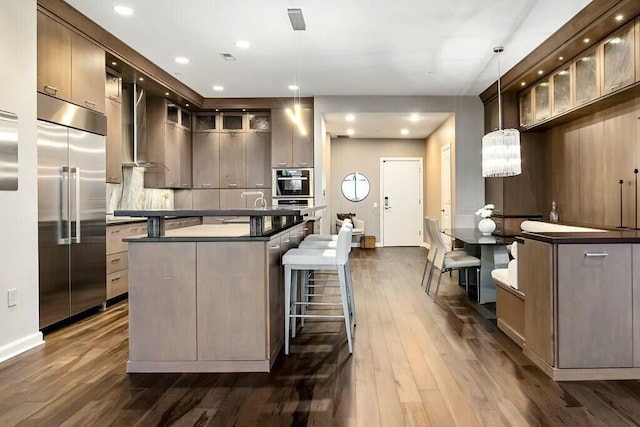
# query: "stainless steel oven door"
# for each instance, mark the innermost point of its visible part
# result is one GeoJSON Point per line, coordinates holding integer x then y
{"type": "Point", "coordinates": [292, 183]}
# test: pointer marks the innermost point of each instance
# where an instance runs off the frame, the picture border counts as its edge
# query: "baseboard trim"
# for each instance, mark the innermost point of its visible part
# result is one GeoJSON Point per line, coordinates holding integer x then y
{"type": "Point", "coordinates": [20, 346]}
{"type": "Point", "coordinates": [379, 245]}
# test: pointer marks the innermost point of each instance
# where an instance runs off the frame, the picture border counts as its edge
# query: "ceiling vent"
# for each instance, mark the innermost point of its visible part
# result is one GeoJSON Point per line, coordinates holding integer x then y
{"type": "Point", "coordinates": [228, 57]}
{"type": "Point", "coordinates": [297, 20]}
{"type": "Point", "coordinates": [343, 136]}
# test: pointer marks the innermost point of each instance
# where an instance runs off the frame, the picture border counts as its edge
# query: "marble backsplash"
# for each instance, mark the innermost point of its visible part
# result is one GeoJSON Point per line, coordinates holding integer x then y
{"type": "Point", "coordinates": [131, 194]}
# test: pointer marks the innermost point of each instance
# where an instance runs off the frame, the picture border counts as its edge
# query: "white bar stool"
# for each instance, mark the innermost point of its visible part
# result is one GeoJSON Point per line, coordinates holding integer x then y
{"type": "Point", "coordinates": [303, 260]}
{"type": "Point", "coordinates": [327, 237]}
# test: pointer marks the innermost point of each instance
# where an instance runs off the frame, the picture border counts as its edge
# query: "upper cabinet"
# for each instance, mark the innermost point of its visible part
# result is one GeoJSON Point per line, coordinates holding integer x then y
{"type": "Point", "coordinates": [290, 148]}
{"type": "Point", "coordinates": [618, 68]}
{"type": "Point", "coordinates": [70, 67]}
{"type": "Point", "coordinates": [587, 77]}
{"type": "Point", "coordinates": [168, 145]}
{"type": "Point", "coordinates": [610, 66]}
{"type": "Point", "coordinates": [562, 91]}
{"type": "Point", "coordinates": [113, 110]}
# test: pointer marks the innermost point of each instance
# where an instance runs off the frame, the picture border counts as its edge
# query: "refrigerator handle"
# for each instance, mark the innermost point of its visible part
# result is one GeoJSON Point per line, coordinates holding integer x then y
{"type": "Point", "coordinates": [76, 209]}
{"type": "Point", "coordinates": [64, 231]}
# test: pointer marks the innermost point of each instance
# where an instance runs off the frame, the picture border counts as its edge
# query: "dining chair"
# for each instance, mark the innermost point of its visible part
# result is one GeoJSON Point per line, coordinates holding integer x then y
{"type": "Point", "coordinates": [433, 249]}
{"type": "Point", "coordinates": [445, 260]}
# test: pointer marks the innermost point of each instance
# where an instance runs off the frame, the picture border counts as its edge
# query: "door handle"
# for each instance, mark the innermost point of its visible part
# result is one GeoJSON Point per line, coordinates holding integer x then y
{"type": "Point", "coordinates": [64, 231]}
{"type": "Point", "coordinates": [76, 210]}
{"type": "Point", "coordinates": [386, 203]}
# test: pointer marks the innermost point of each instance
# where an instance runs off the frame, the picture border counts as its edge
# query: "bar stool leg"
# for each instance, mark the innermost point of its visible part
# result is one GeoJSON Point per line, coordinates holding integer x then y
{"type": "Point", "coordinates": [287, 306]}
{"type": "Point", "coordinates": [352, 300]}
{"type": "Point", "coordinates": [294, 299]}
{"type": "Point", "coordinates": [305, 295]}
{"type": "Point", "coordinates": [342, 274]}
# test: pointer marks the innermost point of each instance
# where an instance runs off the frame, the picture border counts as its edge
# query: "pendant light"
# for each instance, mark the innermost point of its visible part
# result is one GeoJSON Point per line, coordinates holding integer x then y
{"type": "Point", "coordinates": [501, 148]}
{"type": "Point", "coordinates": [295, 114]}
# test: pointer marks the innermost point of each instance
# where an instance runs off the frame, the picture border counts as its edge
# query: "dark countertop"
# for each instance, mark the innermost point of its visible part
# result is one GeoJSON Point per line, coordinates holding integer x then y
{"type": "Point", "coordinates": [273, 211]}
{"type": "Point", "coordinates": [602, 237]}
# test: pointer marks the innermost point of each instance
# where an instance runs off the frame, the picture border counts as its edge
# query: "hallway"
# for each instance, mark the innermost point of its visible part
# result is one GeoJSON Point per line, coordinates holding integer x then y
{"type": "Point", "coordinates": [414, 363]}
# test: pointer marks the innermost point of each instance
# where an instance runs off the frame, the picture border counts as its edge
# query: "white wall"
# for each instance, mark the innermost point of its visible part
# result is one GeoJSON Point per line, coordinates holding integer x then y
{"type": "Point", "coordinates": [19, 209]}
{"type": "Point", "coordinates": [469, 127]}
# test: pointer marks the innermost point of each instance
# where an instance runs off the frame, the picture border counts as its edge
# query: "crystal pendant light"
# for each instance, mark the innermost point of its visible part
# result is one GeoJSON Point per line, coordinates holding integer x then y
{"type": "Point", "coordinates": [501, 148]}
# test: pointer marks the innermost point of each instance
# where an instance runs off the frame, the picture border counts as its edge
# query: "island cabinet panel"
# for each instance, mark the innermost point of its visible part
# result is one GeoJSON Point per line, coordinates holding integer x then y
{"type": "Point", "coordinates": [595, 304]}
{"type": "Point", "coordinates": [636, 305]}
{"type": "Point", "coordinates": [535, 280]}
{"type": "Point", "coordinates": [231, 301]}
{"type": "Point", "coordinates": [162, 324]}
{"type": "Point", "coordinates": [276, 296]}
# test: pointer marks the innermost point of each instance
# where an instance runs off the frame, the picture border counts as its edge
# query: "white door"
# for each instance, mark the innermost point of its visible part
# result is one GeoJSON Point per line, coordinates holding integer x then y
{"type": "Point", "coordinates": [401, 213]}
{"type": "Point", "coordinates": [445, 193]}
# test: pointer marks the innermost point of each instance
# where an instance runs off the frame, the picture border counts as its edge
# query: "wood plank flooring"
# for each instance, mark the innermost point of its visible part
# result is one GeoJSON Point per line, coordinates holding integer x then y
{"type": "Point", "coordinates": [415, 363]}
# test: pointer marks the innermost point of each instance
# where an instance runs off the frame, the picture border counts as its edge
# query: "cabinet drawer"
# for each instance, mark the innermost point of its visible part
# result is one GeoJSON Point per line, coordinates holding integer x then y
{"type": "Point", "coordinates": [117, 262]}
{"type": "Point", "coordinates": [117, 283]}
{"type": "Point", "coordinates": [115, 234]}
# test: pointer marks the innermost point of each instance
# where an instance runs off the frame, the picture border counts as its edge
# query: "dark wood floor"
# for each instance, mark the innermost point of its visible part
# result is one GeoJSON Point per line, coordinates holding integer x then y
{"type": "Point", "coordinates": [415, 362]}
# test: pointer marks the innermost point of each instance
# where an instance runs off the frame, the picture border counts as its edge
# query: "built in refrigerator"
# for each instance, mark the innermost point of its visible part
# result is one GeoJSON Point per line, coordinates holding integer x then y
{"type": "Point", "coordinates": [71, 209]}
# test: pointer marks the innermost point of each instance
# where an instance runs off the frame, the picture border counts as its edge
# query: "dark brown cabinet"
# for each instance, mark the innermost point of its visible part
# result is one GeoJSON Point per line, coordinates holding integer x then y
{"type": "Point", "coordinates": [70, 67]}
{"type": "Point", "coordinates": [233, 164]}
{"type": "Point", "coordinates": [289, 147]}
{"type": "Point", "coordinates": [258, 160]}
{"type": "Point", "coordinates": [114, 141]}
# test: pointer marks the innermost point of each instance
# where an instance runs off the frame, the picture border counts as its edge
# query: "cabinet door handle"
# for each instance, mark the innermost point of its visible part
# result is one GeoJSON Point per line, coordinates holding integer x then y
{"type": "Point", "coordinates": [233, 185]}
{"type": "Point", "coordinates": [304, 164]}
{"type": "Point", "coordinates": [585, 99]}
{"type": "Point", "coordinates": [115, 279]}
{"type": "Point", "coordinates": [596, 254]}
{"type": "Point", "coordinates": [115, 231]}
{"type": "Point", "coordinates": [90, 104]}
{"type": "Point", "coordinates": [50, 89]}
{"type": "Point", "coordinates": [206, 185]}
{"type": "Point", "coordinates": [259, 185]}
{"type": "Point", "coordinates": [286, 240]}
{"type": "Point", "coordinates": [615, 86]}
{"type": "Point", "coordinates": [113, 261]}
{"type": "Point", "coordinates": [275, 247]}
{"type": "Point", "coordinates": [282, 164]}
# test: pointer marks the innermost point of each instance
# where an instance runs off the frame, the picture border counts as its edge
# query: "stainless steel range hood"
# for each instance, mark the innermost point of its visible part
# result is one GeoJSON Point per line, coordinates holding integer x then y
{"type": "Point", "coordinates": [134, 127]}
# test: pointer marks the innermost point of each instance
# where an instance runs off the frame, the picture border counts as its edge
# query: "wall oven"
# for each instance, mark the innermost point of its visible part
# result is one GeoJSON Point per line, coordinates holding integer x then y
{"type": "Point", "coordinates": [292, 183]}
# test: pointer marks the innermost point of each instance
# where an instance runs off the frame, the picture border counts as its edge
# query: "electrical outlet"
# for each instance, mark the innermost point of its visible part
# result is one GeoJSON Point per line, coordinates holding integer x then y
{"type": "Point", "coordinates": [11, 297]}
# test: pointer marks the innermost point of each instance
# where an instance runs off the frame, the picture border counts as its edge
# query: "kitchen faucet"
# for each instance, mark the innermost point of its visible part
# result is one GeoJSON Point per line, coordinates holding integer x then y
{"type": "Point", "coordinates": [263, 202]}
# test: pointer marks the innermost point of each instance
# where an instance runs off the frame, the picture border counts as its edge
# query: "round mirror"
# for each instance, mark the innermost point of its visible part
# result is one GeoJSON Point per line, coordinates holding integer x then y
{"type": "Point", "coordinates": [355, 187]}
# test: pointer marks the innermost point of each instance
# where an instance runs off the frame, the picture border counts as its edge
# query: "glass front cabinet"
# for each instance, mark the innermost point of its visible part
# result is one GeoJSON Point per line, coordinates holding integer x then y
{"type": "Point", "coordinates": [618, 68]}
{"type": "Point", "coordinates": [562, 91]}
{"type": "Point", "coordinates": [587, 77]}
{"type": "Point", "coordinates": [542, 105]}
{"type": "Point", "coordinates": [526, 108]}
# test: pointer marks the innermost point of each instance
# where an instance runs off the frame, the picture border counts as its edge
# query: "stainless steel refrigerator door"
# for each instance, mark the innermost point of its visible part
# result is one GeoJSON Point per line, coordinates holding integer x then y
{"type": "Point", "coordinates": [8, 151]}
{"type": "Point", "coordinates": [53, 222]}
{"type": "Point", "coordinates": [87, 189]}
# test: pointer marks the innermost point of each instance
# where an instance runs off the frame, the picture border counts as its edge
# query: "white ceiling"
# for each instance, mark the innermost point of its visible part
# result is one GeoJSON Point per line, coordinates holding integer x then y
{"type": "Point", "coordinates": [384, 125]}
{"type": "Point", "coordinates": [350, 47]}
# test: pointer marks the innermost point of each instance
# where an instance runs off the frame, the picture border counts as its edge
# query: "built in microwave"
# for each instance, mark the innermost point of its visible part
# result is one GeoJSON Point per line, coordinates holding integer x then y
{"type": "Point", "coordinates": [292, 183]}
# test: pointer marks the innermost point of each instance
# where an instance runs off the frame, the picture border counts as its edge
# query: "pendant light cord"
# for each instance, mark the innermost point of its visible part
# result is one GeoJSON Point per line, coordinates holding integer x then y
{"type": "Point", "coordinates": [499, 50]}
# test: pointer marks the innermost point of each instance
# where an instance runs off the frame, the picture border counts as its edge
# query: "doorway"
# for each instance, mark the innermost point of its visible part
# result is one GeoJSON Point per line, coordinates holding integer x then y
{"type": "Point", "coordinates": [401, 195]}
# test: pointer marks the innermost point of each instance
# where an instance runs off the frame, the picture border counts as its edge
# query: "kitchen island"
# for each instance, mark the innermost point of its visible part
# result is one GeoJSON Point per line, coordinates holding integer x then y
{"type": "Point", "coordinates": [210, 298]}
{"type": "Point", "coordinates": [581, 303]}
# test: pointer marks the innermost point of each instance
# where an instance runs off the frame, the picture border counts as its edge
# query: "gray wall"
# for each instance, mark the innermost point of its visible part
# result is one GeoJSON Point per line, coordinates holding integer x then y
{"type": "Point", "coordinates": [469, 127]}
{"type": "Point", "coordinates": [19, 209]}
{"type": "Point", "coordinates": [363, 156]}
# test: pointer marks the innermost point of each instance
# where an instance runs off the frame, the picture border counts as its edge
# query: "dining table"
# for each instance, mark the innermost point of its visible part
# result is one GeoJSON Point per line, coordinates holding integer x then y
{"type": "Point", "coordinates": [492, 251]}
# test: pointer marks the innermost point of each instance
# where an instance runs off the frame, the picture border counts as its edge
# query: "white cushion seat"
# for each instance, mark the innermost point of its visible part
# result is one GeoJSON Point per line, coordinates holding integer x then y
{"type": "Point", "coordinates": [462, 261]}
{"type": "Point", "coordinates": [500, 275]}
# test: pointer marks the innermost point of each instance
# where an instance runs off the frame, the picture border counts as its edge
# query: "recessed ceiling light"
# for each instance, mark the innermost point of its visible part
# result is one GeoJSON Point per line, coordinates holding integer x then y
{"type": "Point", "coordinates": [141, 78]}
{"type": "Point", "coordinates": [243, 44]}
{"type": "Point", "coordinates": [540, 72]}
{"type": "Point", "coordinates": [350, 118]}
{"type": "Point", "coordinates": [218, 88]}
{"type": "Point", "coordinates": [404, 131]}
{"type": "Point", "coordinates": [217, 109]}
{"type": "Point", "coordinates": [586, 40]}
{"type": "Point", "coordinates": [123, 10]}
{"type": "Point", "coordinates": [186, 105]}
{"type": "Point", "coordinates": [293, 87]}
{"type": "Point", "coordinates": [182, 60]}
{"type": "Point", "coordinates": [350, 131]}
{"type": "Point", "coordinates": [114, 63]}
{"type": "Point", "coordinates": [560, 58]}
{"type": "Point", "coordinates": [414, 117]}
{"type": "Point", "coordinates": [523, 84]}
{"type": "Point", "coordinates": [619, 17]}
{"type": "Point", "coordinates": [244, 109]}
{"type": "Point", "coordinates": [166, 94]}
